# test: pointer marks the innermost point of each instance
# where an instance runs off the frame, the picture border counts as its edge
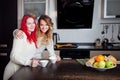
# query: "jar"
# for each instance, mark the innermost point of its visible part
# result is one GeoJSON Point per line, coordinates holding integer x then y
{"type": "Point", "coordinates": [98, 43]}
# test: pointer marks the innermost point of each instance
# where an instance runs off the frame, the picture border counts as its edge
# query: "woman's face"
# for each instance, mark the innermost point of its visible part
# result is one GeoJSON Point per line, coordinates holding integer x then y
{"type": "Point", "coordinates": [43, 26]}
{"type": "Point", "coordinates": [30, 25]}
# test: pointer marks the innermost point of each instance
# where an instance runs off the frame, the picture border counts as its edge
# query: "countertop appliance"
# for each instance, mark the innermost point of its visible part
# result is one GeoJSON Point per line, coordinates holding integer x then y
{"type": "Point", "coordinates": [55, 38]}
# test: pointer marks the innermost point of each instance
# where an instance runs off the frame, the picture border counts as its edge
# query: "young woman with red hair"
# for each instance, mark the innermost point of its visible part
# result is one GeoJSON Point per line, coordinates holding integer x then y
{"type": "Point", "coordinates": [23, 50]}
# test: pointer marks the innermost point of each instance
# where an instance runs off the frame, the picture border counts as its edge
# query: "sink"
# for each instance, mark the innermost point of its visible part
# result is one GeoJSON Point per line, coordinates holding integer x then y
{"type": "Point", "coordinates": [116, 45]}
{"type": "Point", "coordinates": [85, 46]}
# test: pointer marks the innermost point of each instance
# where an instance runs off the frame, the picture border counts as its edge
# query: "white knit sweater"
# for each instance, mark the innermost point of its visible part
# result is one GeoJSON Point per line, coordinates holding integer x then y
{"type": "Point", "coordinates": [21, 55]}
{"type": "Point", "coordinates": [49, 47]}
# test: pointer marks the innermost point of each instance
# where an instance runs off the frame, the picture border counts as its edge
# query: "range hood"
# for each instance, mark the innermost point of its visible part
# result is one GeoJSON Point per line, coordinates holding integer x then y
{"type": "Point", "coordinates": [74, 14]}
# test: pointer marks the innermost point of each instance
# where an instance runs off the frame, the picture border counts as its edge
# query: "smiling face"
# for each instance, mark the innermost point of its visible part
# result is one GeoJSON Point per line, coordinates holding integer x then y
{"type": "Point", "coordinates": [43, 26]}
{"type": "Point", "coordinates": [45, 29]}
{"type": "Point", "coordinates": [30, 25]}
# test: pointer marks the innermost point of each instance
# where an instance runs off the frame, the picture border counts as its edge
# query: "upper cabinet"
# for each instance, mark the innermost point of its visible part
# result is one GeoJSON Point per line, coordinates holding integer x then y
{"type": "Point", "coordinates": [111, 9]}
{"type": "Point", "coordinates": [34, 7]}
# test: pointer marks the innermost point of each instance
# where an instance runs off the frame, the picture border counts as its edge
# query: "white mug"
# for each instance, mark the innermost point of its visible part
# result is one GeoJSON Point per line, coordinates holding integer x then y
{"type": "Point", "coordinates": [53, 61]}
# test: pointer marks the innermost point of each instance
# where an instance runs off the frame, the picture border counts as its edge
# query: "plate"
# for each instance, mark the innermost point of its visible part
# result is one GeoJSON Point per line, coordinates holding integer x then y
{"type": "Point", "coordinates": [102, 69]}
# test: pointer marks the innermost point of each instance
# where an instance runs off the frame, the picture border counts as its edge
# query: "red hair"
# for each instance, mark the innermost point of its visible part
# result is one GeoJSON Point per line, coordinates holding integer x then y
{"type": "Point", "coordinates": [31, 37]}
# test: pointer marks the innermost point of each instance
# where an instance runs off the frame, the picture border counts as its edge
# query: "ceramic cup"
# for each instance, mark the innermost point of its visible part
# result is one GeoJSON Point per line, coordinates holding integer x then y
{"type": "Point", "coordinates": [53, 61]}
{"type": "Point", "coordinates": [44, 63]}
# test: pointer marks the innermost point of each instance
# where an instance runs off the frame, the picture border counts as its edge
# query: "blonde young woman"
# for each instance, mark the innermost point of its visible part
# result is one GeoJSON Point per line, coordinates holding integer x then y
{"type": "Point", "coordinates": [44, 37]}
{"type": "Point", "coordinates": [23, 50]}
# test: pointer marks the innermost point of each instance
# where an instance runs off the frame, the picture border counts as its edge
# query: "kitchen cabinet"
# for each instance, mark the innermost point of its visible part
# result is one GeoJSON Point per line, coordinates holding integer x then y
{"type": "Point", "coordinates": [114, 53]}
{"type": "Point", "coordinates": [111, 9]}
{"type": "Point", "coordinates": [33, 7]}
{"type": "Point", "coordinates": [74, 54]}
{"type": "Point", "coordinates": [86, 50]}
{"type": "Point", "coordinates": [45, 54]}
{"type": "Point", "coordinates": [8, 22]}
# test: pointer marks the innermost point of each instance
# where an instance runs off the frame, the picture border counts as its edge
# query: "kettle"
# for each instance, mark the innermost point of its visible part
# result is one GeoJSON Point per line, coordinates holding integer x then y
{"type": "Point", "coordinates": [55, 38]}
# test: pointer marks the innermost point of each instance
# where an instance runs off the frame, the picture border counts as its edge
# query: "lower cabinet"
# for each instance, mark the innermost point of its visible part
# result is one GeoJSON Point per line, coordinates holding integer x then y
{"type": "Point", "coordinates": [114, 53]}
{"type": "Point", "coordinates": [4, 58]}
{"type": "Point", "coordinates": [45, 54]}
{"type": "Point", "coordinates": [8, 22]}
{"type": "Point", "coordinates": [74, 54]}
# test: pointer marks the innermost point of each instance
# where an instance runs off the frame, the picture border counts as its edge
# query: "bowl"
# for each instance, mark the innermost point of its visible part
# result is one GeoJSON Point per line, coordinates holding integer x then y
{"type": "Point", "coordinates": [103, 69]}
{"type": "Point", "coordinates": [43, 63]}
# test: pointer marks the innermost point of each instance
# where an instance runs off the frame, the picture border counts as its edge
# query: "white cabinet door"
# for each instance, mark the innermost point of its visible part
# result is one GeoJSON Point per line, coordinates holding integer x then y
{"type": "Point", "coordinates": [111, 8]}
{"type": "Point", "coordinates": [114, 53]}
{"type": "Point", "coordinates": [45, 54]}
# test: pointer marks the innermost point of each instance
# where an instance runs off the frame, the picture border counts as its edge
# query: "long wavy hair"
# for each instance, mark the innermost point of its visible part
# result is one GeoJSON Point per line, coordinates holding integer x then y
{"type": "Point", "coordinates": [31, 37]}
{"type": "Point", "coordinates": [48, 35]}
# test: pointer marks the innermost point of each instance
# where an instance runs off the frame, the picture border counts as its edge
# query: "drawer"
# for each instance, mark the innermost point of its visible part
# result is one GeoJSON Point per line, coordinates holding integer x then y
{"type": "Point", "coordinates": [4, 57]}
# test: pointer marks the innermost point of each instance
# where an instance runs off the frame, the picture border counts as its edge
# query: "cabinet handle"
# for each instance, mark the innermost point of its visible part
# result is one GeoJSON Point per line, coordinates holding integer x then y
{"type": "Point", "coordinates": [3, 54]}
{"type": "Point", "coordinates": [3, 45]}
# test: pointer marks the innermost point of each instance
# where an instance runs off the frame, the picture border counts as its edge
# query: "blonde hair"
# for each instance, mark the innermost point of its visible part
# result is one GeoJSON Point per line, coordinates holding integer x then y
{"type": "Point", "coordinates": [48, 35]}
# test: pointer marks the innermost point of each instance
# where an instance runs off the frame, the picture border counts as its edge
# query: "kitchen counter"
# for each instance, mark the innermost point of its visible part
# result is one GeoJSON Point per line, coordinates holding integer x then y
{"type": "Point", "coordinates": [66, 70]}
{"type": "Point", "coordinates": [82, 50]}
{"type": "Point", "coordinates": [88, 46]}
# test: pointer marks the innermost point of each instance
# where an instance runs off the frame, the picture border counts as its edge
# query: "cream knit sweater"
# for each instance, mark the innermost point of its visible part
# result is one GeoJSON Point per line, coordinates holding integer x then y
{"type": "Point", "coordinates": [21, 55]}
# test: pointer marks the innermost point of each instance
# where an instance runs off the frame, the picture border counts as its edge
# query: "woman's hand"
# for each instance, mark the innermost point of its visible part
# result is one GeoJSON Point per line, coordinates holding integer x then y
{"type": "Point", "coordinates": [18, 34]}
{"type": "Point", "coordinates": [35, 62]}
{"type": "Point", "coordinates": [58, 58]}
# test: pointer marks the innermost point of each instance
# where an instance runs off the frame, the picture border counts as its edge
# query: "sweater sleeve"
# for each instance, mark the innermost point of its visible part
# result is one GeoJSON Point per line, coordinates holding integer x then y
{"type": "Point", "coordinates": [17, 51]}
{"type": "Point", "coordinates": [14, 32]}
{"type": "Point", "coordinates": [50, 48]}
